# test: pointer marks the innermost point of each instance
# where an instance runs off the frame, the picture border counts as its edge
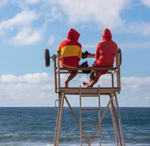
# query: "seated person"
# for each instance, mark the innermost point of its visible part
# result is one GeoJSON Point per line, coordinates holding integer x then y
{"type": "Point", "coordinates": [70, 53]}
{"type": "Point", "coordinates": [104, 57]}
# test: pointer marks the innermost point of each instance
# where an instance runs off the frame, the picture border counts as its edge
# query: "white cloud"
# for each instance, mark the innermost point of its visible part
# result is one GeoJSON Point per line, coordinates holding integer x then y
{"type": "Point", "coordinates": [137, 28]}
{"type": "Point", "coordinates": [22, 22]}
{"type": "Point", "coordinates": [136, 83]}
{"type": "Point", "coordinates": [124, 45]}
{"type": "Point", "coordinates": [147, 97]}
{"type": "Point", "coordinates": [26, 36]}
{"type": "Point", "coordinates": [28, 78]}
{"type": "Point", "coordinates": [51, 40]}
{"type": "Point", "coordinates": [23, 19]}
{"type": "Point", "coordinates": [32, 1]}
{"type": "Point", "coordinates": [38, 90]}
{"type": "Point", "coordinates": [27, 95]}
{"type": "Point", "coordinates": [134, 45]}
{"type": "Point", "coordinates": [3, 2]}
{"type": "Point", "coordinates": [104, 13]}
{"type": "Point", "coordinates": [146, 2]}
{"type": "Point", "coordinates": [89, 45]}
{"type": "Point", "coordinates": [54, 14]}
{"type": "Point", "coordinates": [133, 83]}
{"type": "Point", "coordinates": [23, 4]}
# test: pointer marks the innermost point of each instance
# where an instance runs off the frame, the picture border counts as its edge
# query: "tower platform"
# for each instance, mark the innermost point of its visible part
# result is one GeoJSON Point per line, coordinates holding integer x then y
{"type": "Point", "coordinates": [88, 92]}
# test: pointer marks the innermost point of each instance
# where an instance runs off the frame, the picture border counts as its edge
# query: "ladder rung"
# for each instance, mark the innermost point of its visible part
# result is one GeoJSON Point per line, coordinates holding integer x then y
{"type": "Point", "coordinates": [94, 123]}
{"type": "Point", "coordinates": [91, 137]}
{"type": "Point", "coordinates": [90, 109]}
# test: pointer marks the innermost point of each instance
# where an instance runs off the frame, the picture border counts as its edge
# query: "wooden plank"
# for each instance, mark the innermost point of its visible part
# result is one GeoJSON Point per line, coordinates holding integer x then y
{"type": "Point", "coordinates": [88, 56]}
{"type": "Point", "coordinates": [80, 72]}
{"type": "Point", "coordinates": [91, 56]}
{"type": "Point", "coordinates": [88, 68]}
{"type": "Point", "coordinates": [88, 91]}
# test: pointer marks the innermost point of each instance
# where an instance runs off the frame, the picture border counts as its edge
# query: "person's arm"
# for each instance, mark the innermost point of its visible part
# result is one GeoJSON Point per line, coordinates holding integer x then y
{"type": "Point", "coordinates": [80, 54]}
{"type": "Point", "coordinates": [59, 48]}
{"type": "Point", "coordinates": [97, 51]}
{"type": "Point", "coordinates": [116, 49]}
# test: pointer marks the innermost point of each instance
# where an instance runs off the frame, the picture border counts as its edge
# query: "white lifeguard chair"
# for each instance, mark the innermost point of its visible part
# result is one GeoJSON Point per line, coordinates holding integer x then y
{"type": "Point", "coordinates": [89, 92]}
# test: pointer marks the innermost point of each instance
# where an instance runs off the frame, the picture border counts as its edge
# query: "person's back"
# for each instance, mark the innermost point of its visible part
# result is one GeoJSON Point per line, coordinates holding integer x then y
{"type": "Point", "coordinates": [104, 57]}
{"type": "Point", "coordinates": [70, 53]}
{"type": "Point", "coordinates": [105, 50]}
{"type": "Point", "coordinates": [71, 50]}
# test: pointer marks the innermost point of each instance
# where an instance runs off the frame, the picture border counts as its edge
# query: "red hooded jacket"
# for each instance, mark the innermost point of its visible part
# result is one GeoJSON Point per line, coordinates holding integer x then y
{"type": "Point", "coordinates": [106, 50]}
{"type": "Point", "coordinates": [71, 50]}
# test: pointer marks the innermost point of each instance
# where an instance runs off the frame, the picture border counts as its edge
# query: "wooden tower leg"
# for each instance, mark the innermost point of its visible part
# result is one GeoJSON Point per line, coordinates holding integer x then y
{"type": "Point", "coordinates": [80, 117]}
{"type": "Point", "coordinates": [114, 122]}
{"type": "Point", "coordinates": [59, 118]}
{"type": "Point", "coordinates": [99, 114]}
{"type": "Point", "coordinates": [120, 123]}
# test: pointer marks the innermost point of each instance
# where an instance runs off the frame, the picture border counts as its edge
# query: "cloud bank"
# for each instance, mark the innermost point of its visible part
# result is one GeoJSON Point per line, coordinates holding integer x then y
{"type": "Point", "coordinates": [38, 90]}
{"type": "Point", "coordinates": [97, 14]}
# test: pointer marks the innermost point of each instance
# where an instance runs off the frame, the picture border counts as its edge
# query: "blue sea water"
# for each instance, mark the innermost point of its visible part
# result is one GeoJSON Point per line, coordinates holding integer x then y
{"type": "Point", "coordinates": [36, 127]}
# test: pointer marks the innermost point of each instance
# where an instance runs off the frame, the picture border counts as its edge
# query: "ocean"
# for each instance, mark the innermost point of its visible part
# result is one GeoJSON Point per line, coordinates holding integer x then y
{"type": "Point", "coordinates": [35, 126]}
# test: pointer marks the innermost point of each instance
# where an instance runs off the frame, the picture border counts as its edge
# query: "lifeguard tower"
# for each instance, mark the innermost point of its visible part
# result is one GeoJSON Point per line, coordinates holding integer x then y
{"type": "Point", "coordinates": [89, 92]}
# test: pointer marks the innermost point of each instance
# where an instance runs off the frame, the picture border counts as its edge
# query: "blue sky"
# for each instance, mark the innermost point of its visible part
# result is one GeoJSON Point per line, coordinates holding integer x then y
{"type": "Point", "coordinates": [27, 27]}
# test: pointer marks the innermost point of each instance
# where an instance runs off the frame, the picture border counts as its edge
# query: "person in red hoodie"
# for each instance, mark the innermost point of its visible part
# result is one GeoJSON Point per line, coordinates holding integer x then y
{"type": "Point", "coordinates": [70, 53]}
{"type": "Point", "coordinates": [104, 57]}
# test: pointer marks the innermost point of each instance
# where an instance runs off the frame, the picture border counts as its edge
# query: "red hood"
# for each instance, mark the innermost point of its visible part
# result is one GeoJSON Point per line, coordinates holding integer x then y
{"type": "Point", "coordinates": [107, 34]}
{"type": "Point", "coordinates": [73, 34]}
